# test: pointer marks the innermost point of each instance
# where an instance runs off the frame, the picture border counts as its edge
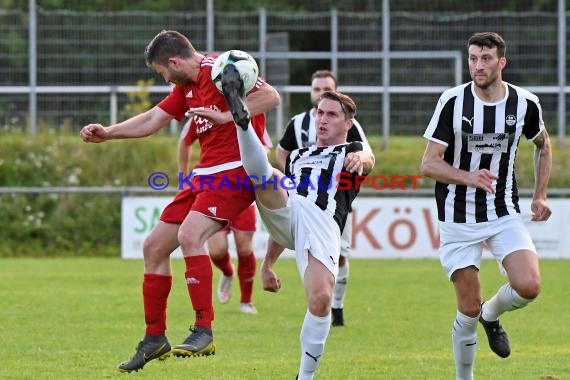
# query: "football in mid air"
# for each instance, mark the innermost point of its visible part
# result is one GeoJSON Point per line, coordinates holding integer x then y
{"type": "Point", "coordinates": [243, 62]}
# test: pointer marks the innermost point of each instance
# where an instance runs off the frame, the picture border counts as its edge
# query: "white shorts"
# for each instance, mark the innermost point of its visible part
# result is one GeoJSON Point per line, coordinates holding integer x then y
{"type": "Point", "coordinates": [346, 238]}
{"type": "Point", "coordinates": [461, 245]}
{"type": "Point", "coordinates": [304, 227]}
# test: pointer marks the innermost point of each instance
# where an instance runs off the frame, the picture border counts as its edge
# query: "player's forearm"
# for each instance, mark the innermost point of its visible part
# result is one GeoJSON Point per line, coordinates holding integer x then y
{"type": "Point", "coordinates": [272, 254]}
{"type": "Point", "coordinates": [184, 154]}
{"type": "Point", "coordinates": [281, 156]}
{"type": "Point", "coordinates": [142, 125]}
{"type": "Point", "coordinates": [441, 171]}
{"type": "Point", "coordinates": [368, 161]}
{"type": "Point", "coordinates": [542, 169]}
{"type": "Point", "coordinates": [262, 100]}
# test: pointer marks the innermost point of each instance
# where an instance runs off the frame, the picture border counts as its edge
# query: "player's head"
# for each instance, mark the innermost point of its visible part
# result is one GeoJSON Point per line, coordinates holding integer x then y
{"type": "Point", "coordinates": [168, 44]}
{"type": "Point", "coordinates": [347, 105]}
{"type": "Point", "coordinates": [167, 53]}
{"type": "Point", "coordinates": [334, 118]}
{"type": "Point", "coordinates": [489, 40]}
{"type": "Point", "coordinates": [486, 57]}
{"type": "Point", "coordinates": [321, 81]}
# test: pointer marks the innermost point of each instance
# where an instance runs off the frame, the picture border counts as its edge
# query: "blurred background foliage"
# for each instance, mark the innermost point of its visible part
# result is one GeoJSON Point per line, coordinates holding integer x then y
{"type": "Point", "coordinates": [68, 224]}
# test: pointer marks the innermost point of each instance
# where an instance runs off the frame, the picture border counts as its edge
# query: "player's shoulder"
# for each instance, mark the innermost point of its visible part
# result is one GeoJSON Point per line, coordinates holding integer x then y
{"type": "Point", "coordinates": [522, 92]}
{"type": "Point", "coordinates": [357, 129]}
{"type": "Point", "coordinates": [354, 146]}
{"type": "Point", "coordinates": [300, 115]}
{"type": "Point", "coordinates": [208, 61]}
{"type": "Point", "coordinates": [205, 74]}
{"type": "Point", "coordinates": [454, 91]}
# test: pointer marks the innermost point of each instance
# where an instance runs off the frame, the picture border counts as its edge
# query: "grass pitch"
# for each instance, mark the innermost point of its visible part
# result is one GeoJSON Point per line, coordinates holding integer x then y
{"type": "Point", "coordinates": [78, 318]}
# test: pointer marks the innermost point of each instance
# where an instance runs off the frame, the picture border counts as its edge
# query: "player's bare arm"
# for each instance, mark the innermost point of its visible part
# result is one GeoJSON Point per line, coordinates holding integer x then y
{"type": "Point", "coordinates": [359, 162]}
{"type": "Point", "coordinates": [435, 167]}
{"type": "Point", "coordinates": [281, 157]}
{"type": "Point", "coordinates": [265, 98]}
{"type": "Point", "coordinates": [262, 100]}
{"type": "Point", "coordinates": [184, 154]}
{"type": "Point", "coordinates": [542, 167]}
{"type": "Point", "coordinates": [141, 125]}
{"type": "Point", "coordinates": [269, 279]}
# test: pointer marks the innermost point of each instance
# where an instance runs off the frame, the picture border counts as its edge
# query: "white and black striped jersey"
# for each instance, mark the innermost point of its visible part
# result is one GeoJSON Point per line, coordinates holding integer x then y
{"type": "Point", "coordinates": [481, 135]}
{"type": "Point", "coordinates": [318, 174]}
{"type": "Point", "coordinates": [301, 133]}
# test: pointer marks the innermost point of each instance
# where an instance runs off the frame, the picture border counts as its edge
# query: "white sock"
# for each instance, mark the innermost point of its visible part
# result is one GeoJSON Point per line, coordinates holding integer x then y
{"type": "Point", "coordinates": [340, 287]}
{"type": "Point", "coordinates": [506, 299]}
{"type": "Point", "coordinates": [314, 334]}
{"type": "Point", "coordinates": [464, 341]}
{"type": "Point", "coordinates": [253, 155]}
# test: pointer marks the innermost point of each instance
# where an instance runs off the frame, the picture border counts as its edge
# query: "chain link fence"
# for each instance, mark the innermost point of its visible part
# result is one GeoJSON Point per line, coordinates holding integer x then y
{"type": "Point", "coordinates": [106, 49]}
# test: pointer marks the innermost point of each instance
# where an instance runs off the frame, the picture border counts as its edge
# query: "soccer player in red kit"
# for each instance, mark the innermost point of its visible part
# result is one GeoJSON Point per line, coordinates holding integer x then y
{"type": "Point", "coordinates": [243, 227]}
{"type": "Point", "coordinates": [197, 213]}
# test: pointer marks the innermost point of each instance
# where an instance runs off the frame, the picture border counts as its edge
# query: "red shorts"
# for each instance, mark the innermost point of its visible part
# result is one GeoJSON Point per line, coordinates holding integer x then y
{"type": "Point", "coordinates": [220, 196]}
{"type": "Point", "coordinates": [244, 222]}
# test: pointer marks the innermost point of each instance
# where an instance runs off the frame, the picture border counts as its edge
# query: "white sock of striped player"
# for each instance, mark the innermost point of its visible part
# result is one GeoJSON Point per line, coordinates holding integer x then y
{"type": "Point", "coordinates": [340, 287]}
{"type": "Point", "coordinates": [314, 334]}
{"type": "Point", "coordinates": [253, 155]}
{"type": "Point", "coordinates": [464, 340]}
{"type": "Point", "coordinates": [506, 299]}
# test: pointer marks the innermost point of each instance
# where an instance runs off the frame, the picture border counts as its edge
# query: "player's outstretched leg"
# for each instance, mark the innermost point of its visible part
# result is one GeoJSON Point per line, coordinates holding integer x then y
{"type": "Point", "coordinates": [232, 87]}
{"type": "Point", "coordinates": [199, 343]}
{"type": "Point", "coordinates": [150, 348]}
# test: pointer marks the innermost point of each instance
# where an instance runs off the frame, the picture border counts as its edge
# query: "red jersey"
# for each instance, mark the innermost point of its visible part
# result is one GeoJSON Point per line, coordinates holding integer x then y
{"type": "Point", "coordinates": [219, 148]}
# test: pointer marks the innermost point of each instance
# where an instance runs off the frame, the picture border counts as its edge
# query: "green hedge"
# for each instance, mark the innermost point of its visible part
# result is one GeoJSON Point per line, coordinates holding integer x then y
{"type": "Point", "coordinates": [88, 224]}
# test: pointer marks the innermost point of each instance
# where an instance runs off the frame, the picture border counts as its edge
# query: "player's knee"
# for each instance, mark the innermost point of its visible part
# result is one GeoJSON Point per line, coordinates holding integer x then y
{"type": "Point", "coordinates": [529, 290]}
{"type": "Point", "coordinates": [319, 303]}
{"type": "Point", "coordinates": [188, 242]}
{"type": "Point", "coordinates": [472, 308]}
{"type": "Point", "coordinates": [244, 250]}
{"type": "Point", "coordinates": [150, 247]}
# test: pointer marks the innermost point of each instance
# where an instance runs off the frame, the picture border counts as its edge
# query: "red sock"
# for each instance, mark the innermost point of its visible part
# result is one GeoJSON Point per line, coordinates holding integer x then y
{"type": "Point", "coordinates": [246, 274]}
{"type": "Point", "coordinates": [224, 264]}
{"type": "Point", "coordinates": [199, 282]}
{"type": "Point", "coordinates": [155, 289]}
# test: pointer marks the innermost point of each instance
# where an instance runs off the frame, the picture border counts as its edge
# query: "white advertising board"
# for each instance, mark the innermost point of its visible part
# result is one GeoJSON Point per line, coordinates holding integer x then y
{"type": "Point", "coordinates": [383, 228]}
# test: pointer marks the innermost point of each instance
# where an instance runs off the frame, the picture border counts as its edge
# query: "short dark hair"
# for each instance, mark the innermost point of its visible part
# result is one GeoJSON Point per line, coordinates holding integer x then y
{"type": "Point", "coordinates": [325, 74]}
{"type": "Point", "coordinates": [346, 103]}
{"type": "Point", "coordinates": [167, 44]}
{"type": "Point", "coordinates": [490, 40]}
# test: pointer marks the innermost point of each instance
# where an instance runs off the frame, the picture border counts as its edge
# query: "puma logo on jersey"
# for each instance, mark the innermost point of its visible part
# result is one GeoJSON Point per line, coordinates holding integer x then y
{"type": "Point", "coordinates": [213, 210]}
{"type": "Point", "coordinates": [469, 121]}
{"type": "Point", "coordinates": [189, 94]}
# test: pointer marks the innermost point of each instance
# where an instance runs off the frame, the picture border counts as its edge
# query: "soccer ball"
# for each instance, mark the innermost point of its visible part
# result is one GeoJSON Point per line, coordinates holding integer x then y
{"type": "Point", "coordinates": [243, 62]}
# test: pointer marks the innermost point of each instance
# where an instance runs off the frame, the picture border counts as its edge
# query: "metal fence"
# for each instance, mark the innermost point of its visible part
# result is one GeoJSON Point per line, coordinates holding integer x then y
{"type": "Point", "coordinates": [86, 64]}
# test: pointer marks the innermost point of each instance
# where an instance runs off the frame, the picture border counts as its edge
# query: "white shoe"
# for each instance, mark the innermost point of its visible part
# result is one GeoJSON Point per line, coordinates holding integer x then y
{"type": "Point", "coordinates": [225, 289]}
{"type": "Point", "coordinates": [248, 308]}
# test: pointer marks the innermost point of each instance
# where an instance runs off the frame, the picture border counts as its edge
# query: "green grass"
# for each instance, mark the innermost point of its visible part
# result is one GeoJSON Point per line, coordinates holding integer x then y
{"type": "Point", "coordinates": [78, 318]}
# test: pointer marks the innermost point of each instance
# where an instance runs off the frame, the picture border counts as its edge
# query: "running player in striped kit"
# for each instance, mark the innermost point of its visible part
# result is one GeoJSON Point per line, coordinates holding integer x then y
{"type": "Point", "coordinates": [473, 138]}
{"type": "Point", "coordinates": [307, 210]}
